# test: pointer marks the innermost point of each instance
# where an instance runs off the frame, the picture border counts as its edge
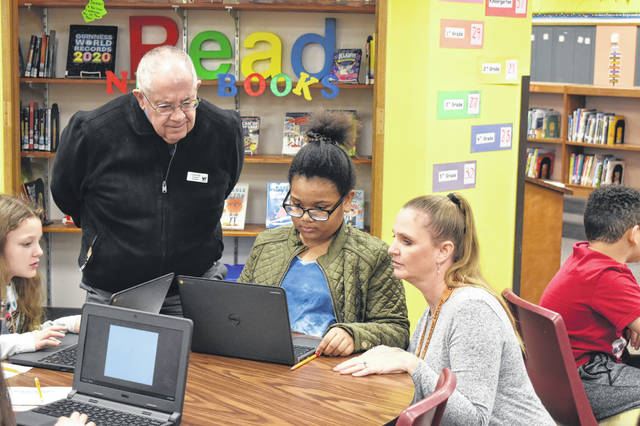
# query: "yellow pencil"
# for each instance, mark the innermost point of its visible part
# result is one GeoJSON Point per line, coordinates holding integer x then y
{"type": "Point", "coordinates": [38, 386]}
{"type": "Point", "coordinates": [304, 361]}
{"type": "Point", "coordinates": [9, 369]}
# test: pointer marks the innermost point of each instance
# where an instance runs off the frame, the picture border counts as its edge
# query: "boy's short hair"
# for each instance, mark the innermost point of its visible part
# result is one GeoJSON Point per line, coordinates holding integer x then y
{"type": "Point", "coordinates": [611, 210]}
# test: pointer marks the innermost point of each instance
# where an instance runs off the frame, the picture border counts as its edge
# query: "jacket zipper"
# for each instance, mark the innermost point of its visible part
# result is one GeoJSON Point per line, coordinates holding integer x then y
{"type": "Point", "coordinates": [166, 176]}
{"type": "Point", "coordinates": [89, 252]}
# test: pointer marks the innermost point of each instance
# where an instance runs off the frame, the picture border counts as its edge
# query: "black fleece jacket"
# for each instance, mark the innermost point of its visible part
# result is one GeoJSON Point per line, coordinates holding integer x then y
{"type": "Point", "coordinates": [109, 173]}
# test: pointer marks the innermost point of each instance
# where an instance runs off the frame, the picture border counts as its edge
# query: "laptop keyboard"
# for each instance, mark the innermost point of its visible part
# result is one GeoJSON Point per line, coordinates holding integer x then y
{"type": "Point", "coordinates": [96, 414]}
{"type": "Point", "coordinates": [66, 356]}
{"type": "Point", "coordinates": [301, 350]}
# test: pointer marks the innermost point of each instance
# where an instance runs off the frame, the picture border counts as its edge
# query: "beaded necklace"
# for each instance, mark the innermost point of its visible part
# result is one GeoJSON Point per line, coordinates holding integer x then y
{"type": "Point", "coordinates": [445, 296]}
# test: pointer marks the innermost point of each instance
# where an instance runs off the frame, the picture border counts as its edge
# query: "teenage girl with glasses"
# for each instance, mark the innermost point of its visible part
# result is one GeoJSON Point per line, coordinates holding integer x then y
{"type": "Point", "coordinates": [339, 280]}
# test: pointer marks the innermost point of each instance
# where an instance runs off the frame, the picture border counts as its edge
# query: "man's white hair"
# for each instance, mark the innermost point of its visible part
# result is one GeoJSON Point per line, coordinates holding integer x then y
{"type": "Point", "coordinates": [160, 59]}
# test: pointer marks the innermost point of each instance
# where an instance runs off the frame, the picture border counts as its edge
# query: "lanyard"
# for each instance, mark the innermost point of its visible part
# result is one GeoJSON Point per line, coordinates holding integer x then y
{"type": "Point", "coordinates": [445, 296]}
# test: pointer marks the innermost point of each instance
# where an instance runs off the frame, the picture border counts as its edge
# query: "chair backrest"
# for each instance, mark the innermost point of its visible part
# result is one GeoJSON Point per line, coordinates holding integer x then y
{"type": "Point", "coordinates": [429, 411]}
{"type": "Point", "coordinates": [550, 363]}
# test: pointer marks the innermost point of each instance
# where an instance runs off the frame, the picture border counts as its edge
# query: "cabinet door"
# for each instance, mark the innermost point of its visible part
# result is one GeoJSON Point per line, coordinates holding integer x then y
{"type": "Point", "coordinates": [583, 54]}
{"type": "Point", "coordinates": [541, 53]}
{"type": "Point", "coordinates": [636, 80]}
{"type": "Point", "coordinates": [562, 51]}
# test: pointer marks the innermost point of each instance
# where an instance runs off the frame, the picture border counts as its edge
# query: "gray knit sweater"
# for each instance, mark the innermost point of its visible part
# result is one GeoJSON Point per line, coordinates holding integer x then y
{"type": "Point", "coordinates": [473, 337]}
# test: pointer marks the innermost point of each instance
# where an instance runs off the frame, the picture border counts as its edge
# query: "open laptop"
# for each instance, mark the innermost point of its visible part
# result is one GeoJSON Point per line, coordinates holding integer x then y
{"type": "Point", "coordinates": [130, 363]}
{"type": "Point", "coordinates": [242, 320]}
{"type": "Point", "coordinates": [148, 296]}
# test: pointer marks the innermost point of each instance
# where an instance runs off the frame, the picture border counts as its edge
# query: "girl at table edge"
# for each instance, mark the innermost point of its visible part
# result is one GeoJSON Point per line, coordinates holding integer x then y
{"type": "Point", "coordinates": [7, 418]}
{"type": "Point", "coordinates": [348, 295]}
{"type": "Point", "coordinates": [21, 289]}
{"type": "Point", "coordinates": [466, 326]}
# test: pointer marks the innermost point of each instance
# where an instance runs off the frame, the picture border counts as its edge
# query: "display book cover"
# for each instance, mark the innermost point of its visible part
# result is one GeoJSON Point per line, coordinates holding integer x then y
{"type": "Point", "coordinates": [92, 51]}
{"type": "Point", "coordinates": [276, 216]}
{"type": "Point", "coordinates": [235, 207]}
{"type": "Point", "coordinates": [250, 133]}
{"type": "Point", "coordinates": [539, 163]}
{"type": "Point", "coordinates": [34, 193]}
{"type": "Point", "coordinates": [294, 132]}
{"type": "Point", "coordinates": [355, 217]}
{"type": "Point", "coordinates": [346, 65]}
{"type": "Point", "coordinates": [350, 146]}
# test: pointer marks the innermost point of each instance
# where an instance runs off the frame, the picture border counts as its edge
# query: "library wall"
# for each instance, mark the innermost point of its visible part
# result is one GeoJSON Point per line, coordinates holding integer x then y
{"type": "Point", "coordinates": [416, 140]}
{"type": "Point", "coordinates": [557, 6]}
{"type": "Point", "coordinates": [288, 26]}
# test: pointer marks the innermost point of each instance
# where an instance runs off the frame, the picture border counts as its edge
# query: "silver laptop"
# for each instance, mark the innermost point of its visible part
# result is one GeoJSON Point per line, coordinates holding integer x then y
{"type": "Point", "coordinates": [132, 369]}
{"type": "Point", "coordinates": [242, 320]}
{"type": "Point", "coordinates": [148, 296]}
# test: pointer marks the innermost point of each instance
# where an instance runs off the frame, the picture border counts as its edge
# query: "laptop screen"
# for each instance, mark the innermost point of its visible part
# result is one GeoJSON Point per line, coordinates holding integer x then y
{"type": "Point", "coordinates": [133, 357]}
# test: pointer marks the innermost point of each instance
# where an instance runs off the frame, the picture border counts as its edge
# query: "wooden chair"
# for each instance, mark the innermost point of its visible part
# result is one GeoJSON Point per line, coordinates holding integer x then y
{"type": "Point", "coordinates": [429, 411]}
{"type": "Point", "coordinates": [551, 366]}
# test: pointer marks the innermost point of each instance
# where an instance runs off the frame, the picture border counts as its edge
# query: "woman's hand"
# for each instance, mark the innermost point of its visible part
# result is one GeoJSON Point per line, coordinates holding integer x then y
{"type": "Point", "coordinates": [337, 342]}
{"type": "Point", "coordinates": [74, 419]}
{"type": "Point", "coordinates": [379, 360]}
{"type": "Point", "coordinates": [47, 337]}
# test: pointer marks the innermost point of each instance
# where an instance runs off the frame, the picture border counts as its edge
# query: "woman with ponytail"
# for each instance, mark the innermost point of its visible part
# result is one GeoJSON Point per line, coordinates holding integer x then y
{"type": "Point", "coordinates": [466, 326]}
{"type": "Point", "coordinates": [339, 280]}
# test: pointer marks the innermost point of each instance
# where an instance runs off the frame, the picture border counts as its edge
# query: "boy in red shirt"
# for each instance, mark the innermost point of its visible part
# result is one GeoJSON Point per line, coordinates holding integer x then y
{"type": "Point", "coordinates": [599, 299]}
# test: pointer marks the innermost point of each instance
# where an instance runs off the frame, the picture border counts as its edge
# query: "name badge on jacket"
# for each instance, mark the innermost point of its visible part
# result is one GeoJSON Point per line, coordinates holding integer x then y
{"type": "Point", "coordinates": [197, 177]}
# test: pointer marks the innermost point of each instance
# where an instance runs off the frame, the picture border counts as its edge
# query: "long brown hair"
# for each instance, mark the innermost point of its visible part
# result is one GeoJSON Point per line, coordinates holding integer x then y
{"type": "Point", "coordinates": [451, 218]}
{"type": "Point", "coordinates": [13, 212]}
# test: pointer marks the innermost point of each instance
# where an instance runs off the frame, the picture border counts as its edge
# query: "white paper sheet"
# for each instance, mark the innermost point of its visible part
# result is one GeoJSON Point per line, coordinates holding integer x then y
{"type": "Point", "coordinates": [28, 396]}
{"type": "Point", "coordinates": [10, 370]}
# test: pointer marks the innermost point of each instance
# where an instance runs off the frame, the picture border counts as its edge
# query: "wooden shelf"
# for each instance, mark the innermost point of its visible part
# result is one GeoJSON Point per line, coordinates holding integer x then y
{"type": "Point", "coordinates": [248, 159]}
{"type": "Point", "coordinates": [102, 81]}
{"type": "Point", "coordinates": [58, 226]}
{"type": "Point", "coordinates": [578, 89]}
{"type": "Point", "coordinates": [250, 230]}
{"type": "Point", "coordinates": [557, 141]}
{"type": "Point", "coordinates": [284, 159]}
{"type": "Point", "coordinates": [37, 154]}
{"type": "Point", "coordinates": [620, 147]}
{"type": "Point", "coordinates": [353, 6]}
{"type": "Point", "coordinates": [547, 87]}
{"type": "Point", "coordinates": [580, 190]}
{"type": "Point", "coordinates": [584, 90]}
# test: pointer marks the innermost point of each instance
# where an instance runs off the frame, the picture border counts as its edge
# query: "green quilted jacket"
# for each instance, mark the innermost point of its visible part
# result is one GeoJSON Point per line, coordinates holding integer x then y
{"type": "Point", "coordinates": [368, 301]}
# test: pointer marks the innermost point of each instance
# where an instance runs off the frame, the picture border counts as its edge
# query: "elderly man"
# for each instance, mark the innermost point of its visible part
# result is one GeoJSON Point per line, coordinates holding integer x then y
{"type": "Point", "coordinates": [145, 176]}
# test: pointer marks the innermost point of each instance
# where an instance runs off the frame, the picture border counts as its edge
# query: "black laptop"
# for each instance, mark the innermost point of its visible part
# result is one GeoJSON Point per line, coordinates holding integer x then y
{"type": "Point", "coordinates": [132, 369]}
{"type": "Point", "coordinates": [242, 320]}
{"type": "Point", "coordinates": [148, 296]}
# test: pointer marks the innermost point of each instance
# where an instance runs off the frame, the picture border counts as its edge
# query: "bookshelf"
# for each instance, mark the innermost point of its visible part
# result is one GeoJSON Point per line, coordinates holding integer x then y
{"type": "Point", "coordinates": [356, 19]}
{"type": "Point", "coordinates": [565, 98]}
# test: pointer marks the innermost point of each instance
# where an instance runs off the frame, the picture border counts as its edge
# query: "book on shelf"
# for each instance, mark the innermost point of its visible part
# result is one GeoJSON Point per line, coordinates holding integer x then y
{"type": "Point", "coordinates": [615, 134]}
{"type": "Point", "coordinates": [294, 132]}
{"type": "Point", "coordinates": [29, 58]}
{"type": "Point", "coordinates": [67, 220]}
{"type": "Point", "coordinates": [350, 146]}
{"type": "Point", "coordinates": [593, 170]}
{"type": "Point", "coordinates": [40, 128]}
{"type": "Point", "coordinates": [539, 163]}
{"type": "Point", "coordinates": [543, 123]}
{"type": "Point", "coordinates": [346, 65]}
{"type": "Point", "coordinates": [588, 125]}
{"type": "Point", "coordinates": [355, 216]}
{"type": "Point", "coordinates": [34, 192]}
{"type": "Point", "coordinates": [43, 55]}
{"type": "Point", "coordinates": [235, 207]}
{"type": "Point", "coordinates": [370, 49]}
{"type": "Point", "coordinates": [250, 133]}
{"type": "Point", "coordinates": [614, 172]}
{"type": "Point", "coordinates": [276, 216]}
{"type": "Point", "coordinates": [91, 51]}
